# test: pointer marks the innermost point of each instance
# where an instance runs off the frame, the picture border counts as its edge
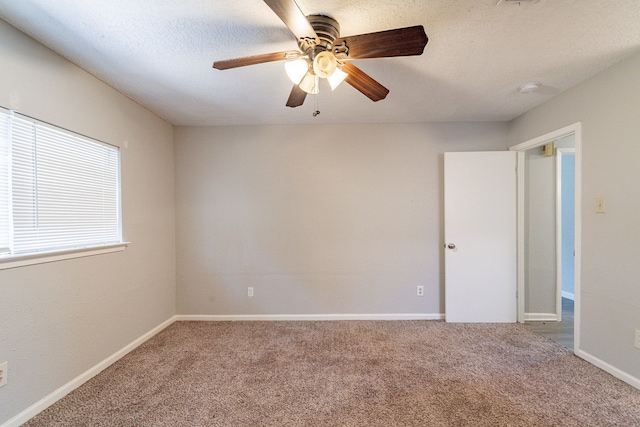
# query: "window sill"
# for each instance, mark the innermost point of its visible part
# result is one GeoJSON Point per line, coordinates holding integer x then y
{"type": "Point", "coordinates": [13, 261]}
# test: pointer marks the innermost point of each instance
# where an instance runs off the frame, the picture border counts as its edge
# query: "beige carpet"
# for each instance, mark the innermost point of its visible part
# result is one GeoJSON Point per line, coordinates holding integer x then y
{"type": "Point", "coordinates": [348, 373]}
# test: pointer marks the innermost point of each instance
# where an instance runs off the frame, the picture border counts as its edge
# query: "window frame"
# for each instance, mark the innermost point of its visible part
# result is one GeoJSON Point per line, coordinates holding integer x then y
{"type": "Point", "coordinates": [13, 261]}
{"type": "Point", "coordinates": [8, 261]}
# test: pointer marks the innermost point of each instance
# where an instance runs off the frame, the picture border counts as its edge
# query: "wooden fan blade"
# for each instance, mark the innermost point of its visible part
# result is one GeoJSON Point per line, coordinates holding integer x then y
{"type": "Point", "coordinates": [399, 42]}
{"type": "Point", "coordinates": [364, 83]}
{"type": "Point", "coordinates": [297, 97]}
{"type": "Point", "coordinates": [289, 12]}
{"type": "Point", "coordinates": [256, 59]}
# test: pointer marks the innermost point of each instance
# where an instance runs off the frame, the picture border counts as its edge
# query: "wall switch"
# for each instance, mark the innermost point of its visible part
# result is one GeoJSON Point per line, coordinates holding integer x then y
{"type": "Point", "coordinates": [636, 343]}
{"type": "Point", "coordinates": [249, 291]}
{"type": "Point", "coordinates": [420, 290]}
{"type": "Point", "coordinates": [4, 367]}
{"type": "Point", "coordinates": [600, 207]}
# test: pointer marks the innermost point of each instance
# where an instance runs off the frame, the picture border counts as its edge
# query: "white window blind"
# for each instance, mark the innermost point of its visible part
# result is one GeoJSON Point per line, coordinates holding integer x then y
{"type": "Point", "coordinates": [4, 186]}
{"type": "Point", "coordinates": [63, 189]}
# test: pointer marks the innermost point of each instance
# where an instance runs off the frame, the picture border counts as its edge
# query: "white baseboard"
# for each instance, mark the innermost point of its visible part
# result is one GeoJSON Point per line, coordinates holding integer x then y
{"type": "Point", "coordinates": [627, 378]}
{"type": "Point", "coordinates": [568, 295]}
{"type": "Point", "coordinates": [58, 394]}
{"type": "Point", "coordinates": [287, 317]}
{"type": "Point", "coordinates": [540, 317]}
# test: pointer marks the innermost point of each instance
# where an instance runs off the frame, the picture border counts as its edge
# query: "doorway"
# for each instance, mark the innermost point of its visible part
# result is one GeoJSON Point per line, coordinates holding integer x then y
{"type": "Point", "coordinates": [529, 303]}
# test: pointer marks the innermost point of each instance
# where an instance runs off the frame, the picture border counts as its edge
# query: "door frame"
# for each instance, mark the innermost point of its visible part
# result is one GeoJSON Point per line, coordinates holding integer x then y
{"type": "Point", "coordinates": [575, 129]}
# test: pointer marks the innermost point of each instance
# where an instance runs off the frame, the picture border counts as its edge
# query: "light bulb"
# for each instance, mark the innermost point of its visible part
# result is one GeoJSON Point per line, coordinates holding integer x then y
{"type": "Point", "coordinates": [296, 69]}
{"type": "Point", "coordinates": [336, 78]}
{"type": "Point", "coordinates": [324, 64]}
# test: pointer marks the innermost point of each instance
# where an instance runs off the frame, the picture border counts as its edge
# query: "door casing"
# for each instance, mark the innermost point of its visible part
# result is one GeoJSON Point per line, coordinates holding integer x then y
{"type": "Point", "coordinates": [575, 129]}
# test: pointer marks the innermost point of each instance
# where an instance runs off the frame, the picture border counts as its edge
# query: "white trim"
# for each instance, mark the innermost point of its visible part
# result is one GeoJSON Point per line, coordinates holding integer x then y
{"type": "Point", "coordinates": [558, 171]}
{"type": "Point", "coordinates": [298, 317]}
{"type": "Point", "coordinates": [541, 317]}
{"type": "Point", "coordinates": [58, 394]}
{"type": "Point", "coordinates": [521, 279]}
{"type": "Point", "coordinates": [576, 129]}
{"type": "Point", "coordinates": [568, 295]}
{"type": "Point", "coordinates": [13, 261]}
{"type": "Point", "coordinates": [541, 140]}
{"type": "Point", "coordinates": [577, 275]}
{"type": "Point", "coordinates": [627, 378]}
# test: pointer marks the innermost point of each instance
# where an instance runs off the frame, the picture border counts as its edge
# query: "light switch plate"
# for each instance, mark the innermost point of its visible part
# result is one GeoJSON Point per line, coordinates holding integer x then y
{"type": "Point", "coordinates": [600, 206]}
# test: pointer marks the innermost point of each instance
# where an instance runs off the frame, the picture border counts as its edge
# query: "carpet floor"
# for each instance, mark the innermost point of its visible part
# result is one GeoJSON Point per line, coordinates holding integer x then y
{"type": "Point", "coordinates": [348, 373]}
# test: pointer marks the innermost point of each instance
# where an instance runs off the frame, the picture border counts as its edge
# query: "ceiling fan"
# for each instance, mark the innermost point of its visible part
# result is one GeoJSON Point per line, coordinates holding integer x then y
{"type": "Point", "coordinates": [324, 54]}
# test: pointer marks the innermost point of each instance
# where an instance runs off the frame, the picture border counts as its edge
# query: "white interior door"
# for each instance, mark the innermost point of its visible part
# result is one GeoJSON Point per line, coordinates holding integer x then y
{"type": "Point", "coordinates": [480, 236]}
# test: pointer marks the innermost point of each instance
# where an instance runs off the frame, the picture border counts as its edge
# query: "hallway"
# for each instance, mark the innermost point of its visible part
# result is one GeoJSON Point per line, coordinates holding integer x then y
{"type": "Point", "coordinates": [560, 332]}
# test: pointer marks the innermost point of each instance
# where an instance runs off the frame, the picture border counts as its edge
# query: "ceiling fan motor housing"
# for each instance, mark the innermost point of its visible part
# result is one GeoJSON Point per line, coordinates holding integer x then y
{"type": "Point", "coordinates": [327, 30]}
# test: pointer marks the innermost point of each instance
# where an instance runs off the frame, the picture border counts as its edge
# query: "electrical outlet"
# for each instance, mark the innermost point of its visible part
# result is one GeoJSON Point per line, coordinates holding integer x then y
{"type": "Point", "coordinates": [637, 340]}
{"type": "Point", "coordinates": [420, 290]}
{"type": "Point", "coordinates": [4, 368]}
{"type": "Point", "coordinates": [250, 291]}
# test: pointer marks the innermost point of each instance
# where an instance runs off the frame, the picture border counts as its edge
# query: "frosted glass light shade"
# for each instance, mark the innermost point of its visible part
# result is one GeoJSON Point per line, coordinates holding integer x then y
{"type": "Point", "coordinates": [309, 83]}
{"type": "Point", "coordinates": [296, 70]}
{"type": "Point", "coordinates": [336, 78]}
{"type": "Point", "coordinates": [324, 64]}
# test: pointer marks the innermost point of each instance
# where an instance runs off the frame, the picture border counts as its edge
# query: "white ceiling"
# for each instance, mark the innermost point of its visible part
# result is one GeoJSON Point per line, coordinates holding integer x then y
{"type": "Point", "coordinates": [160, 53]}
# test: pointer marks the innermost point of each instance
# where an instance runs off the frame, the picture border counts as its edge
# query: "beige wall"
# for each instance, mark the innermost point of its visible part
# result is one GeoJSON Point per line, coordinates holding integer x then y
{"type": "Point", "coordinates": [59, 319]}
{"type": "Point", "coordinates": [335, 219]}
{"type": "Point", "coordinates": [608, 108]}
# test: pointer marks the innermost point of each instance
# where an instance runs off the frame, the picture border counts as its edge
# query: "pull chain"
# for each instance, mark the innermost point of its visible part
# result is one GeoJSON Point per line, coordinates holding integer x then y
{"type": "Point", "coordinates": [315, 105]}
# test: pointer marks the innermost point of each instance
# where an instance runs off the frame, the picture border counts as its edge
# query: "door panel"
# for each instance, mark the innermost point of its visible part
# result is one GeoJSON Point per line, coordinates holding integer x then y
{"type": "Point", "coordinates": [480, 230]}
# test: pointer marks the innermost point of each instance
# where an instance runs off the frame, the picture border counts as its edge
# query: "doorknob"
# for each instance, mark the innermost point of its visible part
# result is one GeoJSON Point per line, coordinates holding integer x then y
{"type": "Point", "coordinates": [451, 245]}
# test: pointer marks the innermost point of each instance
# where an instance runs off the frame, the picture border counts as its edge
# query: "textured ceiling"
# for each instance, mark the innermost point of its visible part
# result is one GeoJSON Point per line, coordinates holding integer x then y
{"type": "Point", "coordinates": [160, 53]}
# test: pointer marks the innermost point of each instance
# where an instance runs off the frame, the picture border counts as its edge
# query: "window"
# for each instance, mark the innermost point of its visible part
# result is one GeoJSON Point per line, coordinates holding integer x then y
{"type": "Point", "coordinates": [59, 191]}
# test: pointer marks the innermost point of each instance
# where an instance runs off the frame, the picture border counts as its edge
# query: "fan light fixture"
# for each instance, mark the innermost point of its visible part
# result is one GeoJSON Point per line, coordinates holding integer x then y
{"type": "Point", "coordinates": [325, 65]}
{"type": "Point", "coordinates": [336, 78]}
{"type": "Point", "coordinates": [296, 70]}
